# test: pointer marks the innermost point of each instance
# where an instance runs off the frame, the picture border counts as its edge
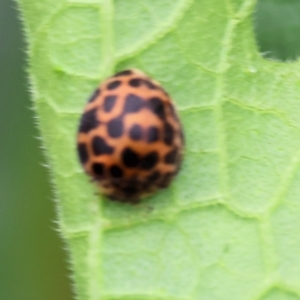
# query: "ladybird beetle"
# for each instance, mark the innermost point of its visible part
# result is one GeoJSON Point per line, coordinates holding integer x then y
{"type": "Point", "coordinates": [130, 140]}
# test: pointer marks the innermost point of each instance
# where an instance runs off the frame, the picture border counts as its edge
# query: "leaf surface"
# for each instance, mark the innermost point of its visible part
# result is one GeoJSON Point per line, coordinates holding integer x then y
{"type": "Point", "coordinates": [228, 228]}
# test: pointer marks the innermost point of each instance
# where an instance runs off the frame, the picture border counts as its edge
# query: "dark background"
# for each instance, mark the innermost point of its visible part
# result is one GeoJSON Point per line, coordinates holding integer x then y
{"type": "Point", "coordinates": [33, 265]}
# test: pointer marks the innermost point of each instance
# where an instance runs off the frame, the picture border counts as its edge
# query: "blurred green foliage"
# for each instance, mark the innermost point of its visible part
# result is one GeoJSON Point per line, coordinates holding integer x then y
{"type": "Point", "coordinates": [277, 26]}
{"type": "Point", "coordinates": [32, 262]}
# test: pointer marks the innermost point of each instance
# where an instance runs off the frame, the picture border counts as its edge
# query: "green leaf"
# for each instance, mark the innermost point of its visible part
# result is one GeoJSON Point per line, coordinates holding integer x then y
{"type": "Point", "coordinates": [228, 228]}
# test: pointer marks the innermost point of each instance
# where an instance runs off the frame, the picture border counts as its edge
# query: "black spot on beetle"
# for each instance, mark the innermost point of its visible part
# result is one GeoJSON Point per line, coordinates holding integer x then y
{"type": "Point", "coordinates": [116, 171]}
{"type": "Point", "coordinates": [123, 73]}
{"type": "Point", "coordinates": [133, 104]}
{"type": "Point", "coordinates": [98, 168]}
{"type": "Point", "coordinates": [171, 156]}
{"type": "Point", "coordinates": [152, 134]}
{"type": "Point", "coordinates": [136, 132]}
{"type": "Point", "coordinates": [168, 134]}
{"type": "Point", "coordinates": [156, 105]}
{"type": "Point", "coordinates": [149, 161]}
{"type": "Point", "coordinates": [95, 95]}
{"type": "Point", "coordinates": [115, 127]}
{"type": "Point", "coordinates": [109, 102]}
{"type": "Point", "coordinates": [153, 177]}
{"type": "Point", "coordinates": [100, 146]}
{"type": "Point", "coordinates": [82, 153]}
{"type": "Point", "coordinates": [129, 190]}
{"type": "Point", "coordinates": [113, 85]}
{"type": "Point", "coordinates": [130, 158]}
{"type": "Point", "coordinates": [135, 82]}
{"type": "Point", "coordinates": [89, 121]}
